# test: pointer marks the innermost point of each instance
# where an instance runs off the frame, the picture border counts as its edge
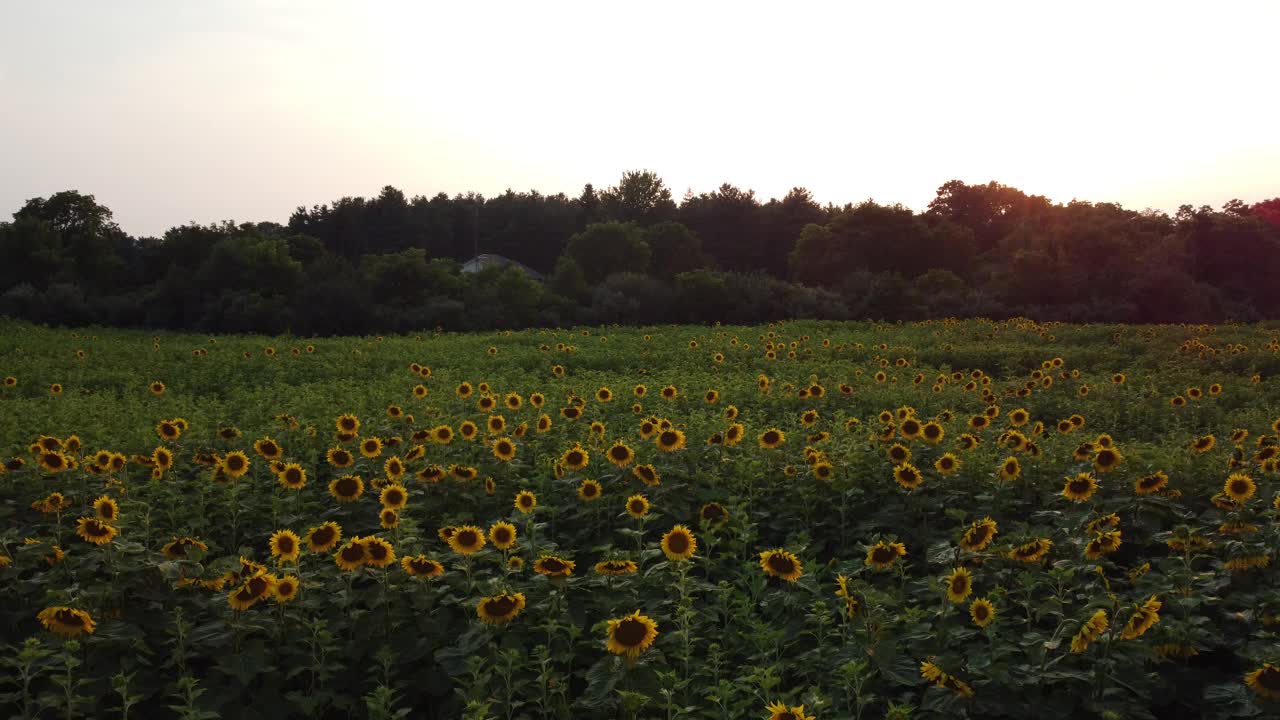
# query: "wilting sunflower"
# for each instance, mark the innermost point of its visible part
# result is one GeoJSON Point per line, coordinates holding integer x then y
{"type": "Point", "coordinates": [347, 488]}
{"type": "Point", "coordinates": [631, 635]}
{"type": "Point", "coordinates": [324, 538]}
{"type": "Point", "coordinates": [258, 587]}
{"type": "Point", "coordinates": [982, 612]}
{"type": "Point", "coordinates": [772, 438]}
{"type": "Point", "coordinates": [468, 540]}
{"type": "Point", "coordinates": [554, 567]}
{"type": "Point", "coordinates": [504, 449]}
{"type": "Point", "coordinates": [959, 585]}
{"type": "Point", "coordinates": [95, 531]}
{"type": "Point", "coordinates": [616, 567]}
{"type": "Point", "coordinates": [713, 514]}
{"type": "Point", "coordinates": [979, 535]}
{"type": "Point", "coordinates": [637, 506]}
{"type": "Point", "coordinates": [1203, 444]}
{"type": "Point", "coordinates": [502, 535]}
{"type": "Point", "coordinates": [1090, 631]}
{"type": "Point", "coordinates": [940, 679]}
{"type": "Point", "coordinates": [286, 546]}
{"type": "Point", "coordinates": [907, 476]}
{"type": "Point", "coordinates": [1239, 487]}
{"type": "Point", "coordinates": [1032, 551]}
{"type": "Point", "coordinates": [1103, 544]}
{"type": "Point", "coordinates": [1153, 483]}
{"type": "Point", "coordinates": [1143, 619]}
{"type": "Point", "coordinates": [500, 609]}
{"type": "Point", "coordinates": [177, 548]}
{"type": "Point", "coordinates": [463, 472]}
{"type": "Point", "coordinates": [589, 491]}
{"type": "Point", "coordinates": [1080, 488]}
{"type": "Point", "coordinates": [779, 711]}
{"type": "Point", "coordinates": [65, 621]}
{"type": "Point", "coordinates": [422, 567]}
{"type": "Point", "coordinates": [526, 501]}
{"type": "Point", "coordinates": [1265, 681]}
{"type": "Point", "coordinates": [781, 564]}
{"type": "Point", "coordinates": [352, 555]}
{"type": "Point", "coordinates": [647, 474]}
{"type": "Point", "coordinates": [679, 544]}
{"type": "Point", "coordinates": [575, 458]}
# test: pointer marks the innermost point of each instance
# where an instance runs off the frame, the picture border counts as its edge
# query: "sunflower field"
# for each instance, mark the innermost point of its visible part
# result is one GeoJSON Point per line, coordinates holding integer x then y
{"type": "Point", "coordinates": [805, 520]}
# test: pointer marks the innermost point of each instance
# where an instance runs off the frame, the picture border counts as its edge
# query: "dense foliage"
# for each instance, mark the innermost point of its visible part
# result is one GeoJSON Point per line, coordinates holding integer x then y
{"type": "Point", "coordinates": [805, 520]}
{"type": "Point", "coordinates": [631, 254]}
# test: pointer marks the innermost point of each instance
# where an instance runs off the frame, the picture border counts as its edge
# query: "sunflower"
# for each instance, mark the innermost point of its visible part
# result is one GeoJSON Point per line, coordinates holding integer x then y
{"type": "Point", "coordinates": [1090, 631]}
{"type": "Point", "coordinates": [637, 506]}
{"type": "Point", "coordinates": [1010, 469]}
{"type": "Point", "coordinates": [959, 585]}
{"type": "Point", "coordinates": [910, 428]}
{"type": "Point", "coordinates": [286, 546]}
{"type": "Point", "coordinates": [713, 514]}
{"type": "Point", "coordinates": [463, 472]}
{"type": "Point", "coordinates": [347, 488]}
{"type": "Point", "coordinates": [255, 588]}
{"type": "Point", "coordinates": [1144, 617]}
{"type": "Point", "coordinates": [421, 567]}
{"type": "Point", "coordinates": [1153, 483]}
{"type": "Point", "coordinates": [1265, 681]}
{"type": "Point", "coordinates": [631, 635]}
{"type": "Point", "coordinates": [324, 537]}
{"type": "Point", "coordinates": [968, 441]}
{"type": "Point", "coordinates": [589, 491]}
{"type": "Point", "coordinates": [648, 475]}
{"type": "Point", "coordinates": [1080, 488]}
{"type": "Point", "coordinates": [394, 497]}
{"type": "Point", "coordinates": [177, 548]}
{"type": "Point", "coordinates": [292, 476]}
{"type": "Point", "coordinates": [95, 531]}
{"type": "Point", "coordinates": [669, 392]}
{"type": "Point", "coordinates": [907, 476]}
{"type": "Point", "coordinates": [1103, 544]}
{"type": "Point", "coordinates": [781, 564]}
{"type": "Point", "coordinates": [502, 535]}
{"type": "Point", "coordinates": [268, 448]}
{"type": "Point", "coordinates": [469, 540]}
{"type": "Point", "coordinates": [65, 621]}
{"type": "Point", "coordinates": [979, 422]}
{"type": "Point", "coordinates": [500, 609]}
{"type": "Point", "coordinates": [772, 438]}
{"type": "Point", "coordinates": [526, 501]}
{"type": "Point", "coordinates": [106, 509]}
{"type": "Point", "coordinates": [286, 589]}
{"type": "Point", "coordinates": [679, 544]}
{"type": "Point", "coordinates": [670, 440]}
{"type": "Point", "coordinates": [979, 535]}
{"type": "Point", "coordinates": [616, 567]}
{"type": "Point", "coordinates": [734, 434]}
{"type": "Point", "coordinates": [554, 567]}
{"type": "Point", "coordinates": [1032, 551]}
{"type": "Point", "coordinates": [898, 453]}
{"type": "Point", "coordinates": [575, 458]}
{"type": "Point", "coordinates": [940, 679]}
{"type": "Point", "coordinates": [352, 555]}
{"type": "Point", "coordinates": [379, 552]}
{"type": "Point", "coordinates": [1239, 487]}
{"type": "Point", "coordinates": [779, 711]}
{"type": "Point", "coordinates": [948, 464]}
{"type": "Point", "coordinates": [53, 461]}
{"type": "Point", "coordinates": [982, 612]}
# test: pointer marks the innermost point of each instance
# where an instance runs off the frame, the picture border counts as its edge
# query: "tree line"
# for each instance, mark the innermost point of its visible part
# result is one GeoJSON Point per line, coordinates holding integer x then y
{"type": "Point", "coordinates": [630, 253]}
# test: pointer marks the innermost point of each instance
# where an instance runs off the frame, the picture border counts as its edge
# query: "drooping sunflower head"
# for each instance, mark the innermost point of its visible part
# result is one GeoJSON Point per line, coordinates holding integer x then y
{"type": "Point", "coordinates": [422, 567]}
{"type": "Point", "coordinates": [66, 621]}
{"type": "Point", "coordinates": [979, 535]}
{"type": "Point", "coordinates": [781, 564]}
{"type": "Point", "coordinates": [647, 474]}
{"type": "Point", "coordinates": [616, 567]}
{"type": "Point", "coordinates": [1265, 681]}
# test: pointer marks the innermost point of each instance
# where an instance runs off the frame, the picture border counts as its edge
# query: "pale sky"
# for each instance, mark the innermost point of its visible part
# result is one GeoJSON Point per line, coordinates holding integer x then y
{"type": "Point", "coordinates": [171, 112]}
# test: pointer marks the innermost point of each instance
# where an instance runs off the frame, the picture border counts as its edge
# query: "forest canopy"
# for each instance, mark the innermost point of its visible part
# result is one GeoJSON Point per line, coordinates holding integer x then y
{"type": "Point", "coordinates": [631, 253]}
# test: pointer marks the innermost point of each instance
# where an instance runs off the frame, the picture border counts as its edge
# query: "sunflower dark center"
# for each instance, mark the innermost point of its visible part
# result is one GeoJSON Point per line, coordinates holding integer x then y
{"type": "Point", "coordinates": [589, 490]}
{"type": "Point", "coordinates": [678, 543]}
{"type": "Point", "coordinates": [669, 438]}
{"type": "Point", "coordinates": [1270, 679]}
{"type": "Point", "coordinates": [322, 536]}
{"type": "Point", "coordinates": [1079, 486]}
{"type": "Point", "coordinates": [346, 486]}
{"type": "Point", "coordinates": [636, 506]}
{"type": "Point", "coordinates": [771, 437]}
{"type": "Point", "coordinates": [395, 497]}
{"type": "Point", "coordinates": [574, 457]}
{"type": "Point", "coordinates": [257, 586]}
{"type": "Point", "coordinates": [353, 553]}
{"type": "Point", "coordinates": [377, 551]}
{"type": "Point", "coordinates": [467, 538]}
{"type": "Point", "coordinates": [980, 611]}
{"type": "Point", "coordinates": [781, 564]}
{"type": "Point", "coordinates": [285, 543]}
{"type": "Point", "coordinates": [93, 527]}
{"type": "Point", "coordinates": [552, 565]}
{"type": "Point", "coordinates": [631, 633]}
{"type": "Point", "coordinates": [959, 583]}
{"type": "Point", "coordinates": [502, 535]}
{"type": "Point", "coordinates": [1239, 487]}
{"type": "Point", "coordinates": [68, 617]}
{"type": "Point", "coordinates": [500, 607]}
